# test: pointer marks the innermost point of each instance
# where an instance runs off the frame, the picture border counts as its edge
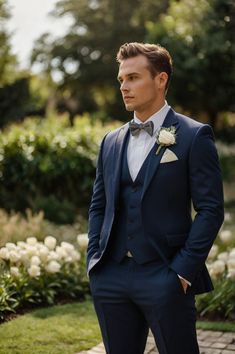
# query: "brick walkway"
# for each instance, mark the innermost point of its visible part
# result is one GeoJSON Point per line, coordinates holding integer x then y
{"type": "Point", "coordinates": [210, 342]}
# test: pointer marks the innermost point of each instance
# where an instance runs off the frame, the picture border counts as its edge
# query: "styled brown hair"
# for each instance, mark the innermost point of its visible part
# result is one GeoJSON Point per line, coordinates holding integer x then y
{"type": "Point", "coordinates": [158, 57]}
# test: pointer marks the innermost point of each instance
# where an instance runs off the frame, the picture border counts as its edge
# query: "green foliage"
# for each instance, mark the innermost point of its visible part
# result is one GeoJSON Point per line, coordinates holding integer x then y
{"type": "Point", "coordinates": [46, 164]}
{"type": "Point", "coordinates": [200, 36]}
{"type": "Point", "coordinates": [85, 56]}
{"type": "Point", "coordinates": [17, 98]}
{"type": "Point", "coordinates": [14, 101]}
{"type": "Point", "coordinates": [227, 160]}
{"type": "Point", "coordinates": [220, 303]}
{"type": "Point", "coordinates": [7, 59]}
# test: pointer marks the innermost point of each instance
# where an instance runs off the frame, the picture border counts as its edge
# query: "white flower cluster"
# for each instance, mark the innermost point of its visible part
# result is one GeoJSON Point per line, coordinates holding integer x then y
{"type": "Point", "coordinates": [82, 240]}
{"type": "Point", "coordinates": [226, 237]}
{"type": "Point", "coordinates": [37, 257]}
{"type": "Point", "coordinates": [223, 263]}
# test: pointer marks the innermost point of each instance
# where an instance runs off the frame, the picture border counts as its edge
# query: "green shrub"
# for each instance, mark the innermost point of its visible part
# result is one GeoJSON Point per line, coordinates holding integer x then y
{"type": "Point", "coordinates": [227, 160]}
{"type": "Point", "coordinates": [46, 164]}
{"type": "Point", "coordinates": [220, 303]}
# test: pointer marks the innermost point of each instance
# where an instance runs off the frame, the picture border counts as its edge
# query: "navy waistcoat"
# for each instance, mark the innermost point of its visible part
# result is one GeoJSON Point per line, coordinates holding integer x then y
{"type": "Point", "coordinates": [127, 232]}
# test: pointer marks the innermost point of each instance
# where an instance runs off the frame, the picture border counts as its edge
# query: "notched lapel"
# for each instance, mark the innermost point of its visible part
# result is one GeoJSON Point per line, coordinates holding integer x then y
{"type": "Point", "coordinates": [117, 158]}
{"type": "Point", "coordinates": [155, 159]}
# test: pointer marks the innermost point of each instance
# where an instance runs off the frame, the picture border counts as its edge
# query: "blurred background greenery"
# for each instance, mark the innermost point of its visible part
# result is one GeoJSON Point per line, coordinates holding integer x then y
{"type": "Point", "coordinates": [52, 121]}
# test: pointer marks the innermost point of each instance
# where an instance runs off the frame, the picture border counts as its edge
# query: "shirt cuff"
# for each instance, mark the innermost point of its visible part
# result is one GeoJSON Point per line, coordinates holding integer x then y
{"type": "Point", "coordinates": [186, 281]}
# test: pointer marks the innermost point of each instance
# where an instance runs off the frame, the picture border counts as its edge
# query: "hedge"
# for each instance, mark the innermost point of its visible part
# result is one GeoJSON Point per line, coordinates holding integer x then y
{"type": "Point", "coordinates": [47, 165]}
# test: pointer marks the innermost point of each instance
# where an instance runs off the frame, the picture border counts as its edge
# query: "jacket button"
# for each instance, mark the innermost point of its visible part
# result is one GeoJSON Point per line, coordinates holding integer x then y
{"type": "Point", "coordinates": [134, 189]}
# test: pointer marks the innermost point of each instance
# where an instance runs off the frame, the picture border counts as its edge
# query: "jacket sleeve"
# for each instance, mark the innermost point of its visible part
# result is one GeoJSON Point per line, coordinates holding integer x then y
{"type": "Point", "coordinates": [207, 197]}
{"type": "Point", "coordinates": [97, 208]}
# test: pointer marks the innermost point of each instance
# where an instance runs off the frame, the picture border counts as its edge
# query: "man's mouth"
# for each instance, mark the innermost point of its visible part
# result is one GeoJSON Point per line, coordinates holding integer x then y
{"type": "Point", "coordinates": [127, 98]}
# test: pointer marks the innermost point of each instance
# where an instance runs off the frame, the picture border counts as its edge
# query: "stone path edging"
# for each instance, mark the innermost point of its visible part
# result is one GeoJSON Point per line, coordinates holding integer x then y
{"type": "Point", "coordinates": [210, 342]}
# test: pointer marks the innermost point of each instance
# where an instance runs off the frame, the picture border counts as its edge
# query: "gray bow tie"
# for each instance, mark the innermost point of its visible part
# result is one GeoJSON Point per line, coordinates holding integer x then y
{"type": "Point", "coordinates": [135, 128]}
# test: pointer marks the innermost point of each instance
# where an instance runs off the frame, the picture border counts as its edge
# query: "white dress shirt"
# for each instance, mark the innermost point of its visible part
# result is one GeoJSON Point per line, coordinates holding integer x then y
{"type": "Point", "coordinates": [140, 145]}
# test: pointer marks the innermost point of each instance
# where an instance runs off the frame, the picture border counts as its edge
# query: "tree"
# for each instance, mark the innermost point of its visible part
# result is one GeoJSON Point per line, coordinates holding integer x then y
{"type": "Point", "coordinates": [17, 97]}
{"type": "Point", "coordinates": [85, 57]}
{"type": "Point", "coordinates": [200, 36]}
{"type": "Point", "coordinates": [7, 59]}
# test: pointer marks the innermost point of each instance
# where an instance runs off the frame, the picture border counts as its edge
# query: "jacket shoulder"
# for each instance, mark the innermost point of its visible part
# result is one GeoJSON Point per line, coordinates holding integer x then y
{"type": "Point", "coordinates": [189, 122]}
{"type": "Point", "coordinates": [192, 127]}
{"type": "Point", "coordinates": [112, 135]}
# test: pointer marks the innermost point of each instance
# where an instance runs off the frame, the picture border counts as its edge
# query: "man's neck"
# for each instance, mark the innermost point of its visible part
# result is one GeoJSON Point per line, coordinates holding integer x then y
{"type": "Point", "coordinates": [143, 116]}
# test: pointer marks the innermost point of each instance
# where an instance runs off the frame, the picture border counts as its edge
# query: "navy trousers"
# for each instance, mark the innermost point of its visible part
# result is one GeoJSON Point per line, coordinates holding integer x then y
{"type": "Point", "coordinates": [130, 298]}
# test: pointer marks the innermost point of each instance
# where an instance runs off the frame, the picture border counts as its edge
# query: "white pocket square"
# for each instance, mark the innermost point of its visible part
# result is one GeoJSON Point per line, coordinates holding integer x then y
{"type": "Point", "coordinates": [168, 156]}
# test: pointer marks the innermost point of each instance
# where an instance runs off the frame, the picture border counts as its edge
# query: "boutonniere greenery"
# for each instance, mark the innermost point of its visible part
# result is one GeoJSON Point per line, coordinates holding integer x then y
{"type": "Point", "coordinates": [165, 137]}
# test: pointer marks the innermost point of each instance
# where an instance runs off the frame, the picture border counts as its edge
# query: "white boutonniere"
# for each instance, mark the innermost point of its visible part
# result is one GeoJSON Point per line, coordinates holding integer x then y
{"type": "Point", "coordinates": [165, 137]}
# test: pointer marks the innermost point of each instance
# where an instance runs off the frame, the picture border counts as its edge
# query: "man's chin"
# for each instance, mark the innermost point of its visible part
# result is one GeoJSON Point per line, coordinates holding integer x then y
{"type": "Point", "coordinates": [129, 107]}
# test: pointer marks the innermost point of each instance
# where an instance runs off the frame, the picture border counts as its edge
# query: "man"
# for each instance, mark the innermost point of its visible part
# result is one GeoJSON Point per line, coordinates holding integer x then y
{"type": "Point", "coordinates": [146, 256]}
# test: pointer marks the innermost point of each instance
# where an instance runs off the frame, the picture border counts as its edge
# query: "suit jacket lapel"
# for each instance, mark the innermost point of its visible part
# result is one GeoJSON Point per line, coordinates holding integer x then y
{"type": "Point", "coordinates": [117, 158]}
{"type": "Point", "coordinates": [155, 159]}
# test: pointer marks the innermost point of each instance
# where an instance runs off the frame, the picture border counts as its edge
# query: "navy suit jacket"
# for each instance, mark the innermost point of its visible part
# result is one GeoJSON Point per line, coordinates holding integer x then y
{"type": "Point", "coordinates": [169, 191]}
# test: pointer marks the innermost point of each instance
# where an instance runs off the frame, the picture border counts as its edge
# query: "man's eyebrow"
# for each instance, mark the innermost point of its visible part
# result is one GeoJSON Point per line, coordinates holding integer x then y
{"type": "Point", "coordinates": [130, 74]}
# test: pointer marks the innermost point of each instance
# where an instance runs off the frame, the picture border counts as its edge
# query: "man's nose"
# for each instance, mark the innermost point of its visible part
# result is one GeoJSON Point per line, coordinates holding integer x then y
{"type": "Point", "coordinates": [124, 86]}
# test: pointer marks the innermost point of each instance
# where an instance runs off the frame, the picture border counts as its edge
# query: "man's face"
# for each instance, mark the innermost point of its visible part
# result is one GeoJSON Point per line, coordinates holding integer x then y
{"type": "Point", "coordinates": [139, 88]}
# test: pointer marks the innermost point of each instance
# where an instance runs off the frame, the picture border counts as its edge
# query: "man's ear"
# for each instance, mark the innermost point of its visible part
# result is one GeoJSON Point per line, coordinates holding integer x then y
{"type": "Point", "coordinates": [162, 80]}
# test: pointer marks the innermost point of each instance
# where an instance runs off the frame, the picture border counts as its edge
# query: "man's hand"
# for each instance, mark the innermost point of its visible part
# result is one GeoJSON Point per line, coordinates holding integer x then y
{"type": "Point", "coordinates": [184, 285]}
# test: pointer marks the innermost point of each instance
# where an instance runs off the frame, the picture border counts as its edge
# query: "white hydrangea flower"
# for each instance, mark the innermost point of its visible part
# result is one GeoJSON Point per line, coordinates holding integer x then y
{"type": "Point", "coordinates": [32, 241]}
{"type": "Point", "coordinates": [4, 253]}
{"type": "Point", "coordinates": [61, 252]}
{"type": "Point", "coordinates": [50, 242]}
{"type": "Point", "coordinates": [232, 253]}
{"type": "Point", "coordinates": [53, 267]}
{"type": "Point", "coordinates": [231, 274]}
{"type": "Point", "coordinates": [10, 246]}
{"type": "Point", "coordinates": [53, 256]}
{"type": "Point", "coordinates": [213, 252]}
{"type": "Point", "coordinates": [75, 255]}
{"type": "Point", "coordinates": [231, 263]}
{"type": "Point", "coordinates": [14, 256]}
{"type": "Point", "coordinates": [35, 260]}
{"type": "Point", "coordinates": [227, 217]}
{"type": "Point", "coordinates": [31, 250]}
{"type": "Point", "coordinates": [34, 271]}
{"type": "Point", "coordinates": [217, 268]}
{"type": "Point", "coordinates": [82, 240]}
{"type": "Point", "coordinates": [223, 256]}
{"type": "Point", "coordinates": [226, 236]}
{"type": "Point", "coordinates": [24, 257]}
{"type": "Point", "coordinates": [43, 253]}
{"type": "Point", "coordinates": [67, 246]}
{"type": "Point", "coordinates": [14, 271]}
{"type": "Point", "coordinates": [21, 244]}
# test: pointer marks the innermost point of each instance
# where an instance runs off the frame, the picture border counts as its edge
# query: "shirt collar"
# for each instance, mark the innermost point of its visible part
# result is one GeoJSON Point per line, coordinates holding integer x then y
{"type": "Point", "coordinates": [157, 118]}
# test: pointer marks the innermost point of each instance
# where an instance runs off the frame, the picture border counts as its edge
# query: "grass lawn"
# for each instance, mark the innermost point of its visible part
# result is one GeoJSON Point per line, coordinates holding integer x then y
{"type": "Point", "coordinates": [65, 329]}
{"type": "Point", "coordinates": [217, 326]}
